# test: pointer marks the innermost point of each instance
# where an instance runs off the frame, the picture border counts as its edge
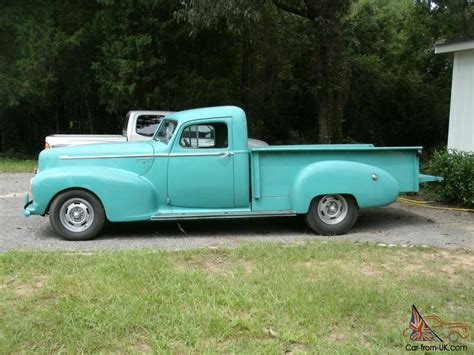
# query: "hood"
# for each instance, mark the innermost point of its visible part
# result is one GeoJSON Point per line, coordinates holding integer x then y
{"type": "Point", "coordinates": [133, 156]}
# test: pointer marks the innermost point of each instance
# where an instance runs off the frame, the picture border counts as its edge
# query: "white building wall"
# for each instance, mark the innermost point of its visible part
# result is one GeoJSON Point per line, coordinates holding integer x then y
{"type": "Point", "coordinates": [461, 116]}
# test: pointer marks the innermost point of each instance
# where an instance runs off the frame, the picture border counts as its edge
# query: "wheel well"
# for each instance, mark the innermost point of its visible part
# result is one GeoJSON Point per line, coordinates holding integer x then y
{"type": "Point", "coordinates": [315, 197]}
{"type": "Point", "coordinates": [70, 189]}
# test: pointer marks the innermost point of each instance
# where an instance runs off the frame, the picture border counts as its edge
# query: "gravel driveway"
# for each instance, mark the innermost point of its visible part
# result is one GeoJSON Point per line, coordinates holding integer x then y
{"type": "Point", "coordinates": [398, 224]}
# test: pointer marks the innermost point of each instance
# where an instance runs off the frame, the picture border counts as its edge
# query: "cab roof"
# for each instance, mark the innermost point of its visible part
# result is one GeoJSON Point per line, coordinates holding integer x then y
{"type": "Point", "coordinates": [207, 112]}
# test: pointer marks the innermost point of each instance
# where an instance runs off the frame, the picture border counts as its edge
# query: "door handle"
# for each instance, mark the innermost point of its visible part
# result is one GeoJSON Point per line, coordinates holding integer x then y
{"type": "Point", "coordinates": [225, 154]}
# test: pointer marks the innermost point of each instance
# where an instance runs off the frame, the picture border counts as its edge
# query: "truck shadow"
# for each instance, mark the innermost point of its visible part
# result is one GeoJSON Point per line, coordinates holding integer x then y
{"type": "Point", "coordinates": [370, 221]}
{"type": "Point", "coordinates": [207, 228]}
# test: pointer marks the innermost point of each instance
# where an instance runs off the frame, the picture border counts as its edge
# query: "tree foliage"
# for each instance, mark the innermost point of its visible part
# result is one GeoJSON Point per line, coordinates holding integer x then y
{"type": "Point", "coordinates": [305, 70]}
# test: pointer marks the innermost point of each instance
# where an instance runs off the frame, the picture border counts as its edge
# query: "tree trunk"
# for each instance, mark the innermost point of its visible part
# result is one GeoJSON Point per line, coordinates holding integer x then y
{"type": "Point", "coordinates": [322, 78]}
{"type": "Point", "coordinates": [246, 65]}
{"type": "Point", "coordinates": [2, 127]}
{"type": "Point", "coordinates": [57, 120]}
{"type": "Point", "coordinates": [323, 134]}
{"type": "Point", "coordinates": [89, 116]}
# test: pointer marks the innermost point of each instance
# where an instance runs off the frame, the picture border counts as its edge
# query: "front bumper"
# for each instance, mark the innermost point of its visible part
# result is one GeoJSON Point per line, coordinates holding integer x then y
{"type": "Point", "coordinates": [28, 206]}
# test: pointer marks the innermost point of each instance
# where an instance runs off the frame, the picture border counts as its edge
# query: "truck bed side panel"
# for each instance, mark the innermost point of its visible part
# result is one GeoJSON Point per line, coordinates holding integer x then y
{"type": "Point", "coordinates": [274, 170]}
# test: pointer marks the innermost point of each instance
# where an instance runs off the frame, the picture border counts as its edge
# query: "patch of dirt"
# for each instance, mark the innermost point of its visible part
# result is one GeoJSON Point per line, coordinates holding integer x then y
{"type": "Point", "coordinates": [142, 346]}
{"type": "Point", "coordinates": [456, 261]}
{"type": "Point", "coordinates": [296, 347]}
{"type": "Point", "coordinates": [462, 259]}
{"type": "Point", "coordinates": [337, 334]}
{"type": "Point", "coordinates": [25, 289]}
{"type": "Point", "coordinates": [447, 262]}
{"type": "Point", "coordinates": [366, 268]}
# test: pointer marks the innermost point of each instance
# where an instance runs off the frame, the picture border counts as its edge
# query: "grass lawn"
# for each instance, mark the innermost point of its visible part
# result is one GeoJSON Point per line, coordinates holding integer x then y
{"type": "Point", "coordinates": [15, 165]}
{"type": "Point", "coordinates": [271, 298]}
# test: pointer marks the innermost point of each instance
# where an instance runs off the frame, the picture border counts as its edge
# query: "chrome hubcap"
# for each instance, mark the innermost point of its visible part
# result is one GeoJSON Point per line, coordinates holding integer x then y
{"type": "Point", "coordinates": [332, 209]}
{"type": "Point", "coordinates": [76, 215]}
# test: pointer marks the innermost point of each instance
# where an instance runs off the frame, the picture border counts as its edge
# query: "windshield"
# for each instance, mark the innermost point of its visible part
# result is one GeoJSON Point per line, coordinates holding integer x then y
{"type": "Point", "coordinates": [165, 132]}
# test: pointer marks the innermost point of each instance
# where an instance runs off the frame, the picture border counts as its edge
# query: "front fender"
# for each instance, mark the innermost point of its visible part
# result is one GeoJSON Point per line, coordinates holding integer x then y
{"type": "Point", "coordinates": [343, 177]}
{"type": "Point", "coordinates": [126, 196]}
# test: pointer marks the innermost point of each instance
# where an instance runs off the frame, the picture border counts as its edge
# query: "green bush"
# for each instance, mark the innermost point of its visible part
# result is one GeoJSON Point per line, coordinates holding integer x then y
{"type": "Point", "coordinates": [457, 168]}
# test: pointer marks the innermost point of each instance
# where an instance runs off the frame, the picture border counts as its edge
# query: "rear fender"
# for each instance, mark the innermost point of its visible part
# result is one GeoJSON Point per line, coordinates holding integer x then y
{"type": "Point", "coordinates": [125, 195]}
{"type": "Point", "coordinates": [371, 186]}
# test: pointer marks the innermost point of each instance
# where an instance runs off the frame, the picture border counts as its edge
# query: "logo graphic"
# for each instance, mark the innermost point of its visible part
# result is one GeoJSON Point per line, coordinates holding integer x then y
{"type": "Point", "coordinates": [436, 330]}
{"type": "Point", "coordinates": [420, 330]}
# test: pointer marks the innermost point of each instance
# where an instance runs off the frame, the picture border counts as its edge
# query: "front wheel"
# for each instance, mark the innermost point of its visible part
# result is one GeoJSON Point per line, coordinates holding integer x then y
{"type": "Point", "coordinates": [332, 214]}
{"type": "Point", "coordinates": [77, 215]}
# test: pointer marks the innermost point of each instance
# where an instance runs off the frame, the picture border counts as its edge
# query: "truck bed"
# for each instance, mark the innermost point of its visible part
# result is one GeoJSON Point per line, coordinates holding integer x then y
{"type": "Point", "coordinates": [274, 168]}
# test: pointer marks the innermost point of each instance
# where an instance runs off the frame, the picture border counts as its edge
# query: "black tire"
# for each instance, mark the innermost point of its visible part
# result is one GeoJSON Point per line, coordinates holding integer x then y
{"type": "Point", "coordinates": [63, 210]}
{"type": "Point", "coordinates": [322, 223]}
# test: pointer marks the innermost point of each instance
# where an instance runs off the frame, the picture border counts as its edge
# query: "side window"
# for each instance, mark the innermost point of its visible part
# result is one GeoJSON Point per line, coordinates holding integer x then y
{"type": "Point", "coordinates": [147, 124]}
{"type": "Point", "coordinates": [206, 135]}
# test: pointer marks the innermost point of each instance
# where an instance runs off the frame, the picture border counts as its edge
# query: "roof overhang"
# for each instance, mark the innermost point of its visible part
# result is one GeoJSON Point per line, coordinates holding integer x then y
{"type": "Point", "coordinates": [458, 46]}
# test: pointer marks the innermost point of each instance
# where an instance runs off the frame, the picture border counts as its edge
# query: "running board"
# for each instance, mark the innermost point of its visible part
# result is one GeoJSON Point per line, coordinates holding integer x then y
{"type": "Point", "coordinates": [214, 215]}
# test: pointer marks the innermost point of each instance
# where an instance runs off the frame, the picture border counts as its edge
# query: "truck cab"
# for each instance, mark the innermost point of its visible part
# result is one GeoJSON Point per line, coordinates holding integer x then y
{"type": "Point", "coordinates": [207, 160]}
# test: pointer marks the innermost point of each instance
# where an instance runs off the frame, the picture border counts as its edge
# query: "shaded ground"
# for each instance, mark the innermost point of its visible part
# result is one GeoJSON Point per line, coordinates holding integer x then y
{"type": "Point", "coordinates": [397, 224]}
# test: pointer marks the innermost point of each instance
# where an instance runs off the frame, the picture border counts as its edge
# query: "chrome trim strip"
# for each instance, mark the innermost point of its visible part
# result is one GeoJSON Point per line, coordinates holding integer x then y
{"type": "Point", "coordinates": [67, 157]}
{"type": "Point", "coordinates": [224, 153]}
{"type": "Point", "coordinates": [212, 215]}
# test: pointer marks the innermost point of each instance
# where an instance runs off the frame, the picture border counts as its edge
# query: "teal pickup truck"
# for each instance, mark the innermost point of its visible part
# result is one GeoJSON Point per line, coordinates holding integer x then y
{"type": "Point", "coordinates": [199, 165]}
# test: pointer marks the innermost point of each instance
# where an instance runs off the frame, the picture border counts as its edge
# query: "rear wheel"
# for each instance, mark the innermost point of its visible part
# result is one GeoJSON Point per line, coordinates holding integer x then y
{"type": "Point", "coordinates": [77, 215]}
{"type": "Point", "coordinates": [332, 214]}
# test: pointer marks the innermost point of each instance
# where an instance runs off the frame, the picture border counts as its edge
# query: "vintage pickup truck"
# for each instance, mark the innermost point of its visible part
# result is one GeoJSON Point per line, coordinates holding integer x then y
{"type": "Point", "coordinates": [199, 165]}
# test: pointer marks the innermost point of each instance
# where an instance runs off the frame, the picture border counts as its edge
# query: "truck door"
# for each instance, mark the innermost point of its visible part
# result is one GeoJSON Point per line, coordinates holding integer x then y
{"type": "Point", "coordinates": [201, 166]}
